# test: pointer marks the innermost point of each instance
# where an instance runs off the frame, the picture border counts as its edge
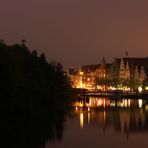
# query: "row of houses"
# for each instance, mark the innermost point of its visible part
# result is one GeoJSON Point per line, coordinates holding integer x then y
{"type": "Point", "coordinates": [125, 69]}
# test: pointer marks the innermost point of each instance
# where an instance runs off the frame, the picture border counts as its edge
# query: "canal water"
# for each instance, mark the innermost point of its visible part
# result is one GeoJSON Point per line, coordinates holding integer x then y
{"type": "Point", "coordinates": [104, 123]}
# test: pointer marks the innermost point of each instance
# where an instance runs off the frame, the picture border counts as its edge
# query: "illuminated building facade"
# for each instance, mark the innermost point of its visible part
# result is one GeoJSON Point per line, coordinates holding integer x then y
{"type": "Point", "coordinates": [125, 69]}
{"type": "Point", "coordinates": [131, 68]}
{"type": "Point", "coordinates": [85, 76]}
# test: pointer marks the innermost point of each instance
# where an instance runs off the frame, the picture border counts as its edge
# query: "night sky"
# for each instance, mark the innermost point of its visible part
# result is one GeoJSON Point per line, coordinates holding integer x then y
{"type": "Point", "coordinates": [77, 32]}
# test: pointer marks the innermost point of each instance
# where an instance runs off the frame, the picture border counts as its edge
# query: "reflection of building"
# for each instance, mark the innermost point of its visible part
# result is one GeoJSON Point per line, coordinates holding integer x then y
{"type": "Point", "coordinates": [130, 121]}
{"type": "Point", "coordinates": [104, 102]}
{"type": "Point", "coordinates": [92, 118]}
{"type": "Point", "coordinates": [124, 121]}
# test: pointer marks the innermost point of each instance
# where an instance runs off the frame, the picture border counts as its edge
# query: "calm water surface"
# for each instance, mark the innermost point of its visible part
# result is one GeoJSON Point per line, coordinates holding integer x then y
{"type": "Point", "coordinates": [114, 127]}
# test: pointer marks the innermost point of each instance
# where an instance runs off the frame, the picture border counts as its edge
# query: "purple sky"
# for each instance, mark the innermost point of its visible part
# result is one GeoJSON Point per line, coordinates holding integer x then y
{"type": "Point", "coordinates": [77, 32]}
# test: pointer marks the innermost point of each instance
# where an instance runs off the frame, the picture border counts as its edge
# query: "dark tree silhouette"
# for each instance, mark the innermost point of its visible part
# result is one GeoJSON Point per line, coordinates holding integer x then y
{"type": "Point", "coordinates": [33, 95]}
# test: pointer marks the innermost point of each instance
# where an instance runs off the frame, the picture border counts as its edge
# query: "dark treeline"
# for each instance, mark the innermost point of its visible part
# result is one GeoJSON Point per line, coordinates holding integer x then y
{"type": "Point", "coordinates": [34, 96]}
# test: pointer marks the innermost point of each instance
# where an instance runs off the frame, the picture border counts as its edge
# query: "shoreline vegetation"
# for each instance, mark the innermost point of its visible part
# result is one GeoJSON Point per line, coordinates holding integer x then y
{"type": "Point", "coordinates": [34, 97]}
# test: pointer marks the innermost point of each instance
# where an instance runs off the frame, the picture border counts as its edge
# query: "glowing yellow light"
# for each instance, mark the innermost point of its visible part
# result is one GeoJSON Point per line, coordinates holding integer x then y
{"type": "Point", "coordinates": [104, 103]}
{"type": "Point", "coordinates": [81, 105]}
{"type": "Point", "coordinates": [125, 103]}
{"type": "Point", "coordinates": [122, 104]}
{"type": "Point", "coordinates": [76, 108]}
{"type": "Point", "coordinates": [146, 88]}
{"type": "Point", "coordinates": [99, 87]}
{"type": "Point", "coordinates": [99, 102]}
{"type": "Point", "coordinates": [88, 108]}
{"type": "Point", "coordinates": [126, 89]}
{"type": "Point", "coordinates": [140, 89]}
{"type": "Point", "coordinates": [88, 117]}
{"type": "Point", "coordinates": [81, 73]}
{"type": "Point", "coordinates": [81, 120]}
{"type": "Point", "coordinates": [113, 88]}
{"type": "Point", "coordinates": [129, 103]}
{"type": "Point", "coordinates": [140, 102]}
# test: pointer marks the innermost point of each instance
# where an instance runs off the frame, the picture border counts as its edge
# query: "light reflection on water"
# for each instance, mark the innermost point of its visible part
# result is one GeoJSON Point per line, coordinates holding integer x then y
{"type": "Point", "coordinates": [123, 120]}
{"type": "Point", "coordinates": [123, 126]}
{"type": "Point", "coordinates": [96, 102]}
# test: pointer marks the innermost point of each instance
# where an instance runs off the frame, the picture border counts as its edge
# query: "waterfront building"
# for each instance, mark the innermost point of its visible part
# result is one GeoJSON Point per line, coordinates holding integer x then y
{"type": "Point", "coordinates": [122, 73]}
{"type": "Point", "coordinates": [85, 76]}
{"type": "Point", "coordinates": [131, 68]}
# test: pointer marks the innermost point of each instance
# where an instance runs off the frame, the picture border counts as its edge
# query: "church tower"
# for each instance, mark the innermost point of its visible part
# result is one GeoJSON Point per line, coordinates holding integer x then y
{"type": "Point", "coordinates": [142, 74]}
{"type": "Point", "coordinates": [127, 71]}
{"type": "Point", "coordinates": [122, 69]}
{"type": "Point", "coordinates": [136, 73]}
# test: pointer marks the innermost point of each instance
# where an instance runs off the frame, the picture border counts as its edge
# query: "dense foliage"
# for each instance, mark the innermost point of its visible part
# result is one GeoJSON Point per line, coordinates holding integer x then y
{"type": "Point", "coordinates": [33, 93]}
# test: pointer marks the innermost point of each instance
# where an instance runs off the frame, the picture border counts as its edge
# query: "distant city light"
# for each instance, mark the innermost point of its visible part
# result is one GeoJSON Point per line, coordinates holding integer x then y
{"type": "Point", "coordinates": [81, 120]}
{"type": "Point", "coordinates": [140, 103]}
{"type": "Point", "coordinates": [88, 117]}
{"type": "Point", "coordinates": [140, 89]}
{"type": "Point", "coordinates": [105, 103]}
